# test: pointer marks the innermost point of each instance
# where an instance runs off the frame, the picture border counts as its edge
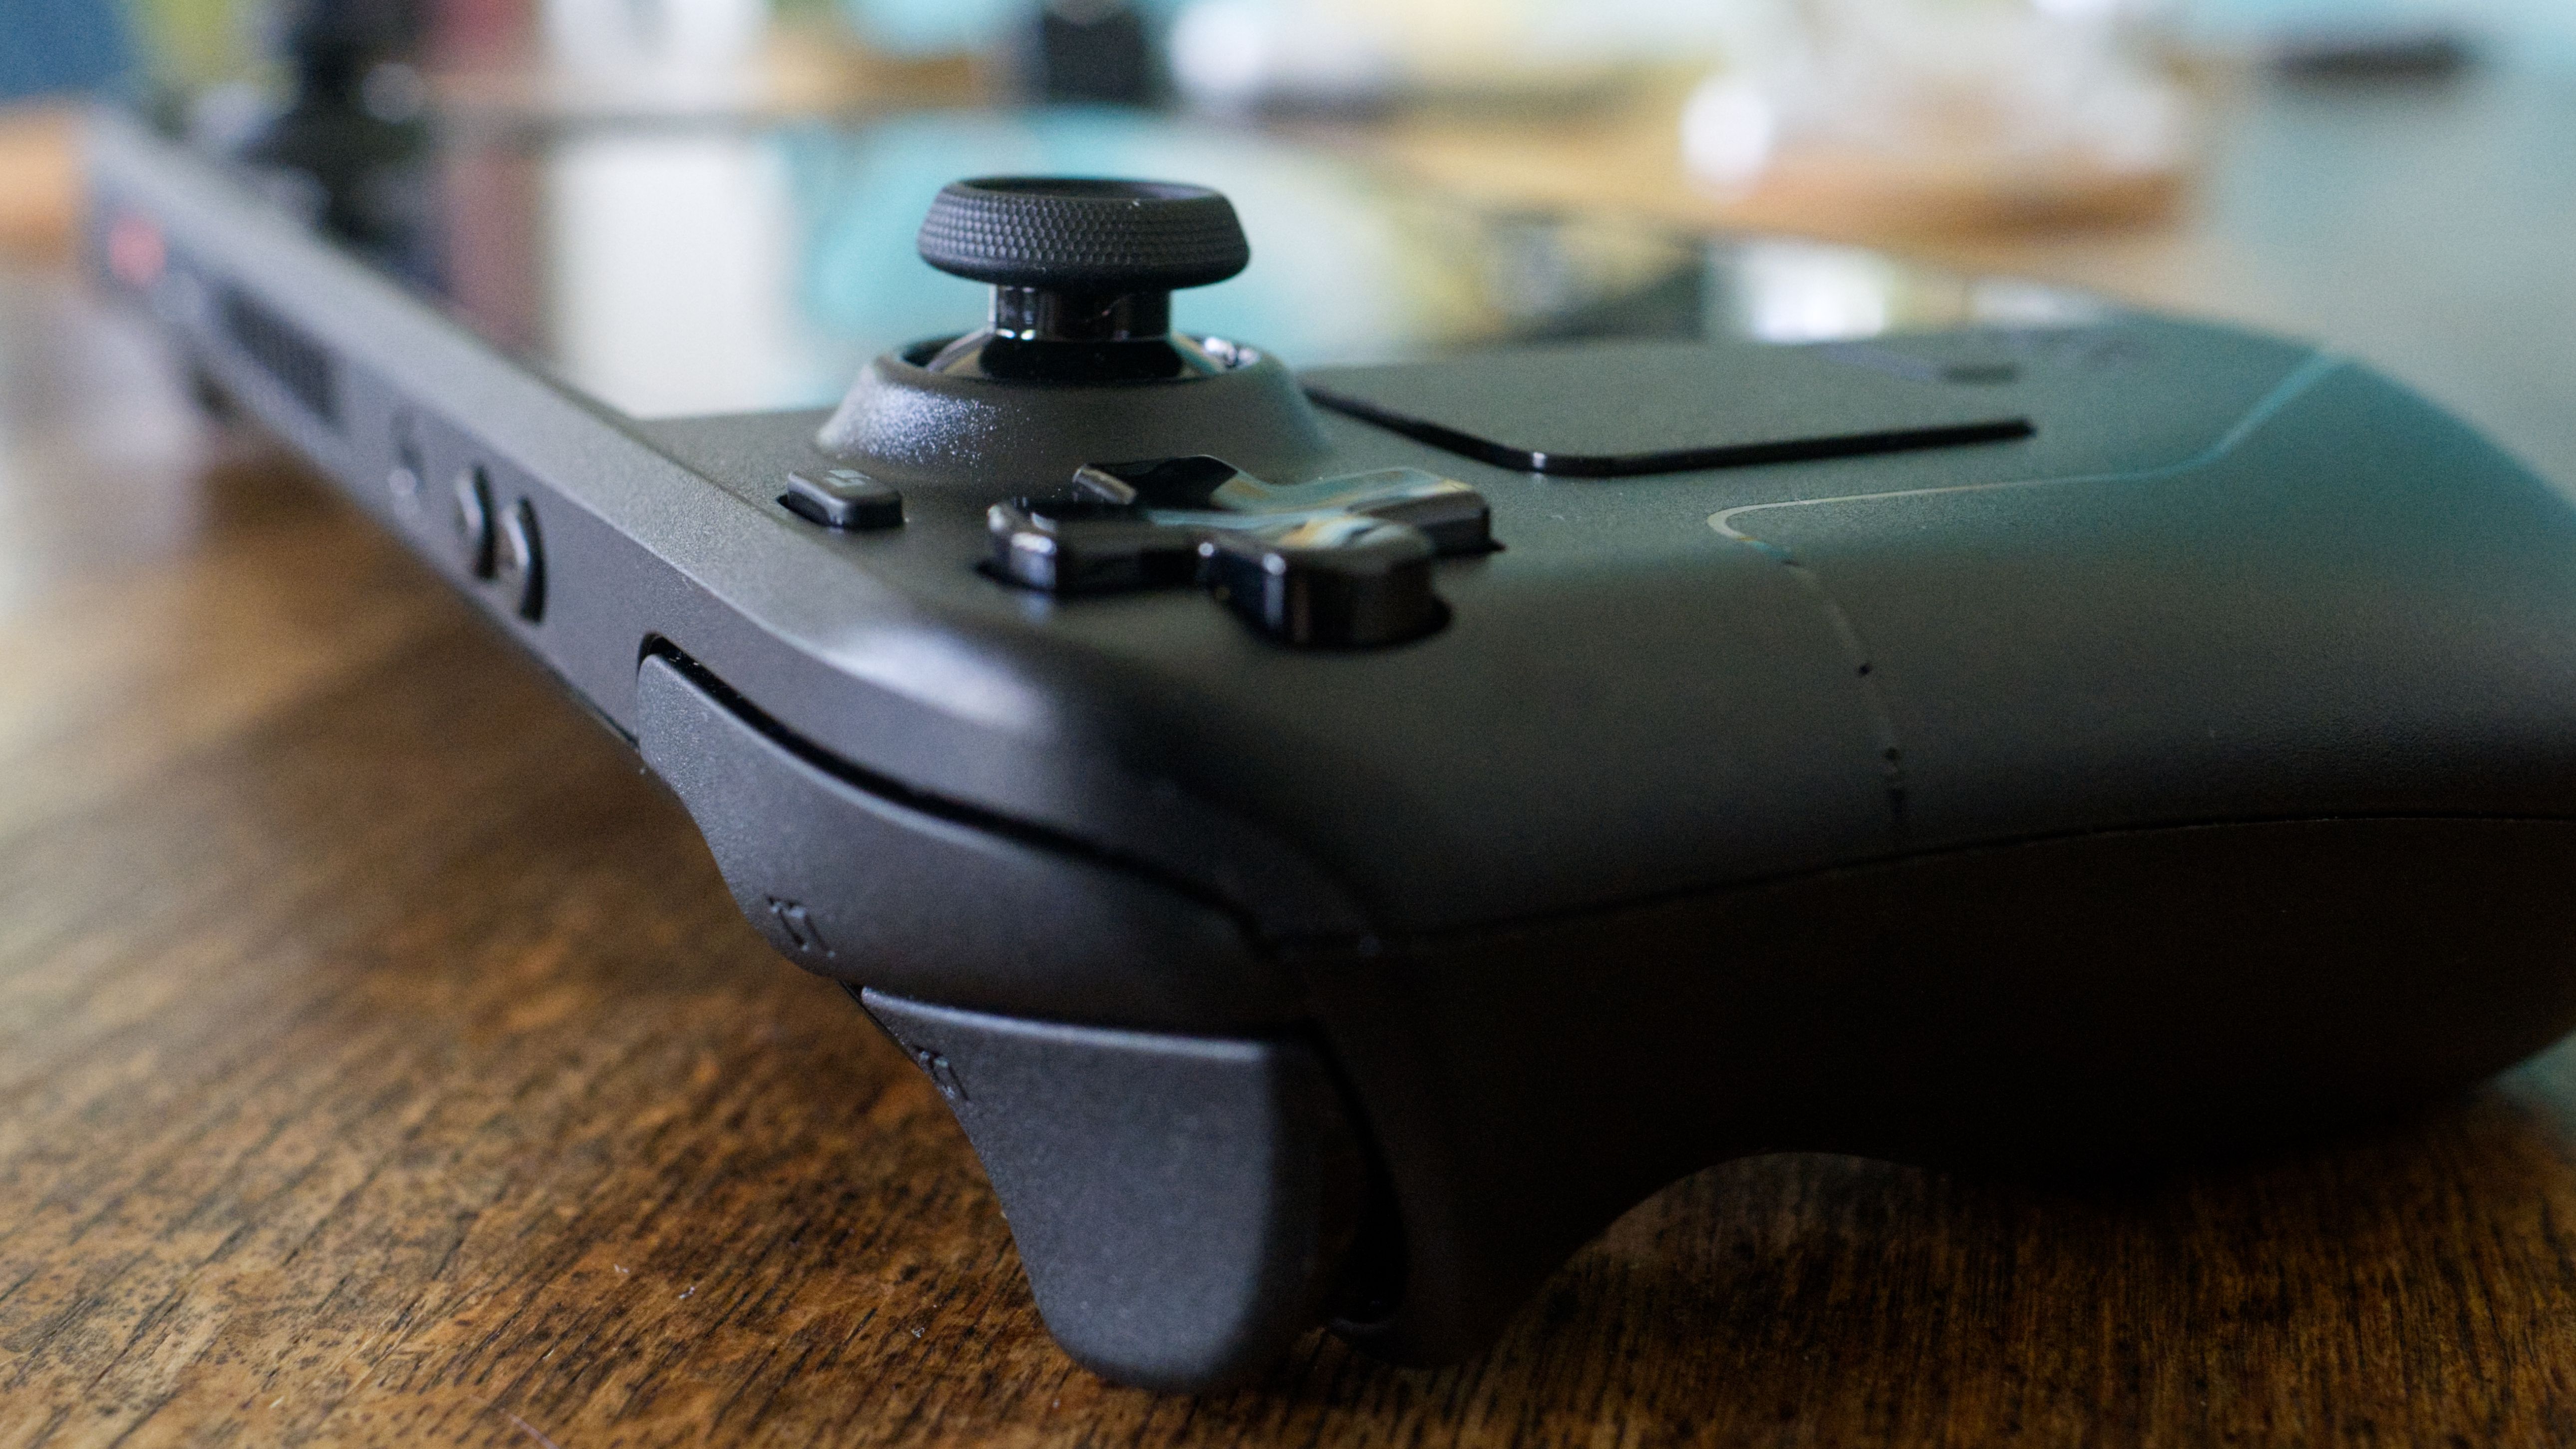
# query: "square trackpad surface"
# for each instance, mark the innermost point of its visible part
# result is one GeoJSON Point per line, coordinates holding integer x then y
{"type": "Point", "coordinates": [1622, 409]}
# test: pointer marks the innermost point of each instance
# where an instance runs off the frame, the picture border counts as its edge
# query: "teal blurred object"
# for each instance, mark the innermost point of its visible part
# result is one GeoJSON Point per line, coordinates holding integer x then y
{"type": "Point", "coordinates": [2519, 32]}
{"type": "Point", "coordinates": [933, 27]}
{"type": "Point", "coordinates": [59, 45]}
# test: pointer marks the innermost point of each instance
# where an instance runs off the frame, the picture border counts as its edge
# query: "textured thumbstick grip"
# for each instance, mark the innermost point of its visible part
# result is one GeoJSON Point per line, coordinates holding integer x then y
{"type": "Point", "coordinates": [1080, 235]}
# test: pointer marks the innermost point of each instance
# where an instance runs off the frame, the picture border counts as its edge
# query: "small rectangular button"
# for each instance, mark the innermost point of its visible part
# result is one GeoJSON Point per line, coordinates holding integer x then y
{"type": "Point", "coordinates": [842, 498]}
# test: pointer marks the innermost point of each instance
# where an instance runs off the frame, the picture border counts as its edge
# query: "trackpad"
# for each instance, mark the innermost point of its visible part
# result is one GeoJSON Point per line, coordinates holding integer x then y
{"type": "Point", "coordinates": [1620, 409]}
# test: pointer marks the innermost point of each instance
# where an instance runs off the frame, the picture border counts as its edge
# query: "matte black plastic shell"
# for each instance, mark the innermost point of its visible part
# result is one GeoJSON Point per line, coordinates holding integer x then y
{"type": "Point", "coordinates": [1183, 1204]}
{"type": "Point", "coordinates": [851, 880]}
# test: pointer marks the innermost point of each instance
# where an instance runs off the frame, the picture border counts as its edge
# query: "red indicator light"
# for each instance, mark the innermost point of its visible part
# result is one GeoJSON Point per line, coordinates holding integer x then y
{"type": "Point", "coordinates": [135, 254]}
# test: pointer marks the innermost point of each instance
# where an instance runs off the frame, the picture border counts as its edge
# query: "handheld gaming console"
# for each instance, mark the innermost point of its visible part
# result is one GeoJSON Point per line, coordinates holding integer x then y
{"type": "Point", "coordinates": [1339, 838]}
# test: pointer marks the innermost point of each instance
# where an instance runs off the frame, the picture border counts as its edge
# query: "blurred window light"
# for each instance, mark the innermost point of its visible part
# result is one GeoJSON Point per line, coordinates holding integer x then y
{"type": "Point", "coordinates": [1938, 105]}
{"type": "Point", "coordinates": [654, 34]}
{"type": "Point", "coordinates": [1804, 292]}
{"type": "Point", "coordinates": [1237, 54]}
{"type": "Point", "coordinates": [2080, 9]}
{"type": "Point", "coordinates": [1729, 127]}
{"type": "Point", "coordinates": [1795, 291]}
{"type": "Point", "coordinates": [702, 224]}
{"type": "Point", "coordinates": [655, 56]}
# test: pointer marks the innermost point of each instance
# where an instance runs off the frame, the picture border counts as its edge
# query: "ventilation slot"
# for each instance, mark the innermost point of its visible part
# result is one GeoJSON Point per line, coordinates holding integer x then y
{"type": "Point", "coordinates": [284, 352]}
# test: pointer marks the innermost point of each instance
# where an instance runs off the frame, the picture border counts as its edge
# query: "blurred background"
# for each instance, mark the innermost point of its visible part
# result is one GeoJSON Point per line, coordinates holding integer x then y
{"type": "Point", "coordinates": [1855, 118]}
{"type": "Point", "coordinates": [2396, 177]}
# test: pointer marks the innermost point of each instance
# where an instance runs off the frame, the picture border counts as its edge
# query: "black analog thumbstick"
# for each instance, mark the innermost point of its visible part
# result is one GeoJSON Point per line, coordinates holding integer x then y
{"type": "Point", "coordinates": [1082, 271]}
{"type": "Point", "coordinates": [1081, 235]}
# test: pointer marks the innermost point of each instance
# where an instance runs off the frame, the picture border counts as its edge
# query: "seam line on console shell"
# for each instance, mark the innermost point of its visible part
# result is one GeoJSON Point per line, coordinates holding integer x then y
{"type": "Point", "coordinates": [1855, 648]}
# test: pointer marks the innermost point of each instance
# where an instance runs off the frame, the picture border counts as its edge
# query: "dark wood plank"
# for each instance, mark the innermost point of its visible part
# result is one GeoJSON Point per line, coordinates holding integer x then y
{"type": "Point", "coordinates": [382, 1063]}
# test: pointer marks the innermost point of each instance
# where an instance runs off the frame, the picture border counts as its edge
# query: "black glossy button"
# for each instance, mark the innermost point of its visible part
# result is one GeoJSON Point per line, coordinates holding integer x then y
{"type": "Point", "coordinates": [1337, 582]}
{"type": "Point", "coordinates": [1087, 546]}
{"type": "Point", "coordinates": [472, 516]}
{"type": "Point", "coordinates": [519, 561]}
{"type": "Point", "coordinates": [842, 498]}
{"type": "Point", "coordinates": [1190, 482]}
{"type": "Point", "coordinates": [1455, 517]}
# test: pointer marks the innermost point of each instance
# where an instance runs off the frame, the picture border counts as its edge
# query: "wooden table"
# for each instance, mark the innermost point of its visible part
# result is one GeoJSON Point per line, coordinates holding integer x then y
{"type": "Point", "coordinates": [381, 1062]}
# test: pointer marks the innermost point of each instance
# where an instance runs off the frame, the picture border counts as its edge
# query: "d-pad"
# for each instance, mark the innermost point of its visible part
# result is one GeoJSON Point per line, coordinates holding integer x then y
{"type": "Point", "coordinates": [1339, 561]}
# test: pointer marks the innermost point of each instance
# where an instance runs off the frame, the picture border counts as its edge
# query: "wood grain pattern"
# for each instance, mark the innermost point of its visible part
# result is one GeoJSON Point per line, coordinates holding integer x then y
{"type": "Point", "coordinates": [381, 1062]}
